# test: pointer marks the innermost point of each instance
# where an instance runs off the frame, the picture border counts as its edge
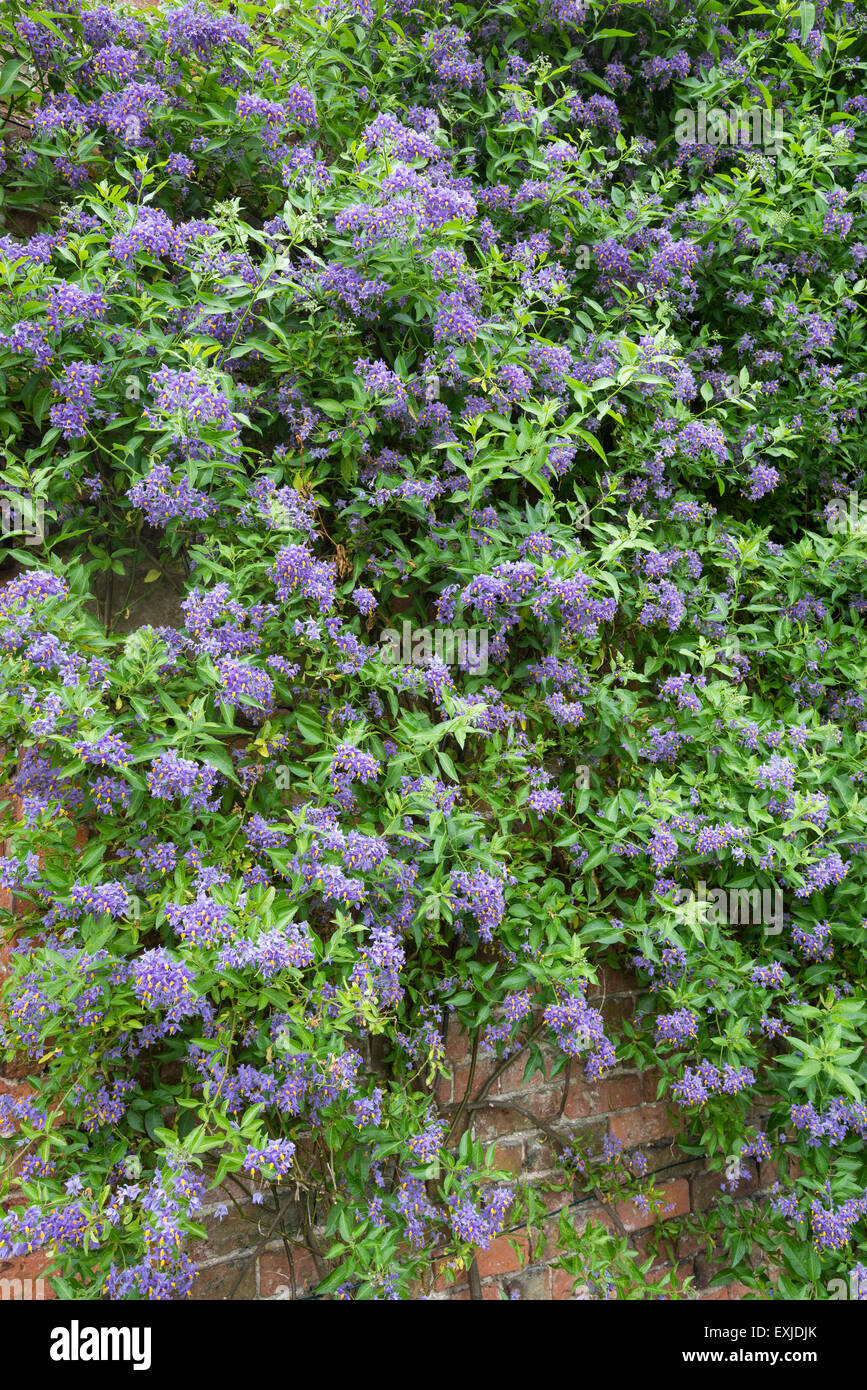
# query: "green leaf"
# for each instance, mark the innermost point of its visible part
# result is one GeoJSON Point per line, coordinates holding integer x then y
{"type": "Point", "coordinates": [800, 56]}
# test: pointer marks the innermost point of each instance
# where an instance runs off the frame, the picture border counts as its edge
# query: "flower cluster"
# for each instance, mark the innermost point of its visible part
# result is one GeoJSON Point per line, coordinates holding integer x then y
{"type": "Point", "coordinates": [351, 328]}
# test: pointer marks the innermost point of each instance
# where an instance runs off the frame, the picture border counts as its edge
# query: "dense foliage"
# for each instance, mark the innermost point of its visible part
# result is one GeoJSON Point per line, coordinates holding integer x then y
{"type": "Point", "coordinates": [369, 327]}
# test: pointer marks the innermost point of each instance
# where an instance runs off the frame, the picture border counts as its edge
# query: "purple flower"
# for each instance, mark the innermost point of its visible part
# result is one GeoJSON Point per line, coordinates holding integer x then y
{"type": "Point", "coordinates": [163, 983]}
{"type": "Point", "coordinates": [678, 1028]}
{"type": "Point", "coordinates": [276, 1155]}
{"type": "Point", "coordinates": [173, 778]}
{"type": "Point", "coordinates": [163, 499]}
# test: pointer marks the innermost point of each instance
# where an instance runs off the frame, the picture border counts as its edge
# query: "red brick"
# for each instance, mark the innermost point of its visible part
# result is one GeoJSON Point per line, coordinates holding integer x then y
{"type": "Point", "coordinates": [544, 1104]}
{"type": "Point", "coordinates": [443, 1090]}
{"type": "Point", "coordinates": [615, 1010]}
{"type": "Point", "coordinates": [675, 1194]}
{"type": "Point", "coordinates": [681, 1274]}
{"type": "Point", "coordinates": [687, 1246]}
{"type": "Point", "coordinates": [581, 1102]}
{"type": "Point", "coordinates": [457, 1044]}
{"type": "Point", "coordinates": [769, 1173]}
{"type": "Point", "coordinates": [553, 1201]}
{"type": "Point", "coordinates": [598, 1214]}
{"type": "Point", "coordinates": [647, 1243]}
{"type": "Point", "coordinates": [590, 1134]}
{"type": "Point", "coordinates": [461, 1077]}
{"type": "Point", "coordinates": [9, 1087]}
{"type": "Point", "coordinates": [542, 1156]}
{"type": "Point", "coordinates": [644, 1125]}
{"type": "Point", "coordinates": [500, 1257]}
{"type": "Point", "coordinates": [29, 1268]}
{"type": "Point", "coordinates": [497, 1122]}
{"type": "Point", "coordinates": [509, 1157]}
{"type": "Point", "coordinates": [274, 1276]}
{"type": "Point", "coordinates": [562, 1284]}
{"type": "Point", "coordinates": [443, 1285]}
{"type": "Point", "coordinates": [621, 1092]}
{"type": "Point", "coordinates": [511, 1079]}
{"type": "Point", "coordinates": [651, 1083]}
{"type": "Point", "coordinates": [230, 1236]}
{"type": "Point", "coordinates": [738, 1290]}
{"type": "Point", "coordinates": [551, 1245]}
{"type": "Point", "coordinates": [233, 1279]}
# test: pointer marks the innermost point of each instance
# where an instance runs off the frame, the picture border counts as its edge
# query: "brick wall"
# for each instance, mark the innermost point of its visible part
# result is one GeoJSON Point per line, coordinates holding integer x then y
{"type": "Point", "coordinates": [243, 1259]}
{"type": "Point", "coordinates": [523, 1120]}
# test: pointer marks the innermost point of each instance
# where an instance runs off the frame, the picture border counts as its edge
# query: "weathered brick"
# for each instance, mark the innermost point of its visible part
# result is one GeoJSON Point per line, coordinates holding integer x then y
{"type": "Point", "coordinates": [443, 1090]}
{"type": "Point", "coordinates": [661, 1274]}
{"type": "Point", "coordinates": [687, 1246]}
{"type": "Point", "coordinates": [533, 1285]}
{"type": "Point", "coordinates": [551, 1246]}
{"type": "Point", "coordinates": [543, 1103]}
{"type": "Point", "coordinates": [705, 1189]}
{"type": "Point", "coordinates": [500, 1257]}
{"type": "Point", "coordinates": [676, 1196]}
{"type": "Point", "coordinates": [643, 1125]}
{"type": "Point", "coordinates": [542, 1156]}
{"type": "Point", "coordinates": [738, 1290]}
{"type": "Point", "coordinates": [707, 1268]}
{"type": "Point", "coordinates": [648, 1244]}
{"type": "Point", "coordinates": [615, 1010]}
{"type": "Point", "coordinates": [509, 1157]}
{"type": "Point", "coordinates": [553, 1201]}
{"type": "Point", "coordinates": [581, 1102]}
{"type": "Point", "coordinates": [495, 1122]}
{"type": "Point", "coordinates": [651, 1084]}
{"type": "Point", "coordinates": [662, 1154]}
{"type": "Point", "coordinates": [621, 1093]}
{"type": "Point", "coordinates": [562, 1284]}
{"type": "Point", "coordinates": [769, 1173]}
{"type": "Point", "coordinates": [461, 1076]}
{"type": "Point", "coordinates": [590, 1133]}
{"type": "Point", "coordinates": [442, 1284]}
{"type": "Point", "coordinates": [231, 1279]}
{"type": "Point", "coordinates": [457, 1044]}
{"type": "Point", "coordinates": [595, 1212]}
{"type": "Point", "coordinates": [275, 1280]}
{"type": "Point", "coordinates": [229, 1236]}
{"type": "Point", "coordinates": [29, 1269]}
{"type": "Point", "coordinates": [511, 1078]}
